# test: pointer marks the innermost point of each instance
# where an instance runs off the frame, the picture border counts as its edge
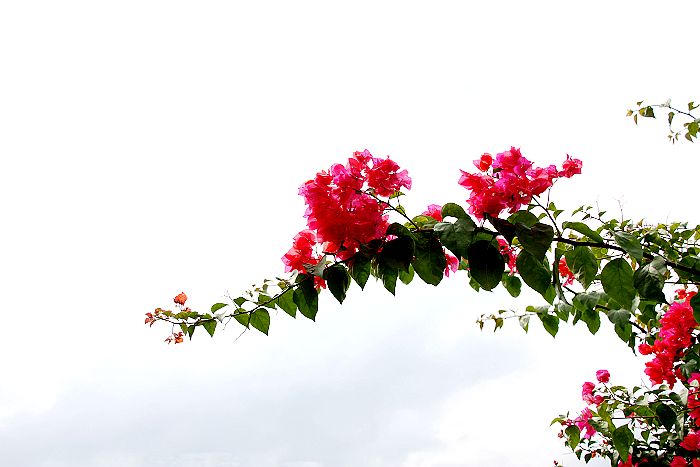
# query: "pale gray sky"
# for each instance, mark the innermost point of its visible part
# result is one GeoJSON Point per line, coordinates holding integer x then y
{"type": "Point", "coordinates": [152, 147]}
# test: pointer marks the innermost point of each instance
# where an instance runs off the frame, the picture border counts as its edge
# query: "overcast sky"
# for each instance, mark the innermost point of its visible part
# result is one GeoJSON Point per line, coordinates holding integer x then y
{"type": "Point", "coordinates": [153, 147]}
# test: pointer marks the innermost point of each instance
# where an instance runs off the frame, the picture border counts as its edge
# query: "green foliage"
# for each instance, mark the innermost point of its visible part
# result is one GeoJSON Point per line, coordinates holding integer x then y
{"type": "Point", "coordinates": [429, 262]}
{"type": "Point", "coordinates": [486, 264]}
{"type": "Point", "coordinates": [583, 263]}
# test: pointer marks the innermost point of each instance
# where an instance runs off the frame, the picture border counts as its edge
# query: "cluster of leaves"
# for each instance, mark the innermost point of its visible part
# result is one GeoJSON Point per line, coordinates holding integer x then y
{"type": "Point", "coordinates": [690, 125]}
{"type": "Point", "coordinates": [650, 423]}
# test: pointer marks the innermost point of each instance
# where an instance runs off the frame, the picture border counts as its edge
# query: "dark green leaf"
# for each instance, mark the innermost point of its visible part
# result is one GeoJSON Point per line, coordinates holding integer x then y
{"type": "Point", "coordinates": [695, 304]}
{"type": "Point", "coordinates": [210, 326]}
{"type": "Point", "coordinates": [286, 302]}
{"type": "Point", "coordinates": [217, 306]}
{"type": "Point", "coordinates": [486, 264]}
{"type": "Point", "coordinates": [582, 228]}
{"type": "Point", "coordinates": [398, 230]}
{"type": "Point", "coordinates": [306, 297]}
{"type": "Point", "coordinates": [574, 434]}
{"type": "Point", "coordinates": [592, 320]}
{"type": "Point", "coordinates": [388, 275]}
{"type": "Point", "coordinates": [429, 262]}
{"type": "Point", "coordinates": [535, 240]}
{"type": "Point", "coordinates": [523, 217]}
{"type": "Point", "coordinates": [621, 317]}
{"type": "Point", "coordinates": [260, 320]}
{"type": "Point", "coordinates": [190, 330]}
{"type": "Point", "coordinates": [533, 272]}
{"type": "Point", "coordinates": [630, 244]}
{"type": "Point", "coordinates": [616, 278]}
{"type": "Point", "coordinates": [398, 253]}
{"type": "Point", "coordinates": [474, 284]}
{"type": "Point", "coordinates": [666, 415]}
{"type": "Point", "coordinates": [622, 439]}
{"type": "Point", "coordinates": [360, 269]}
{"type": "Point", "coordinates": [503, 227]}
{"type": "Point", "coordinates": [550, 323]}
{"type": "Point", "coordinates": [454, 210]}
{"type": "Point", "coordinates": [338, 281]}
{"type": "Point", "coordinates": [649, 281]}
{"type": "Point", "coordinates": [456, 237]}
{"type": "Point", "coordinates": [512, 284]}
{"type": "Point", "coordinates": [583, 263]}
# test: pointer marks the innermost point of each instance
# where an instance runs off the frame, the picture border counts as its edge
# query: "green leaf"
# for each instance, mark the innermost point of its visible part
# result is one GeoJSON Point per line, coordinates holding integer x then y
{"type": "Point", "coordinates": [456, 237]}
{"type": "Point", "coordinates": [360, 269]}
{"type": "Point", "coordinates": [286, 302]}
{"type": "Point", "coordinates": [388, 275]}
{"type": "Point", "coordinates": [242, 317]}
{"type": "Point", "coordinates": [582, 228]}
{"type": "Point", "coordinates": [190, 330]}
{"type": "Point", "coordinates": [623, 439]}
{"type": "Point", "coordinates": [583, 263]}
{"type": "Point", "coordinates": [486, 264]}
{"type": "Point", "coordinates": [260, 320]}
{"type": "Point", "coordinates": [398, 230]}
{"type": "Point", "coordinates": [630, 244]}
{"type": "Point", "coordinates": [398, 253]}
{"type": "Point", "coordinates": [523, 217]}
{"type": "Point", "coordinates": [616, 278]}
{"type": "Point", "coordinates": [649, 280]}
{"type": "Point", "coordinates": [306, 297]}
{"type": "Point", "coordinates": [429, 262]}
{"type": "Point", "coordinates": [338, 281]}
{"type": "Point", "coordinates": [503, 227]}
{"type": "Point", "coordinates": [535, 240]}
{"type": "Point", "coordinates": [217, 306]}
{"type": "Point", "coordinates": [574, 434]}
{"type": "Point", "coordinates": [695, 304]}
{"type": "Point", "coordinates": [407, 276]}
{"type": "Point", "coordinates": [619, 317]}
{"type": "Point", "coordinates": [512, 284]}
{"type": "Point", "coordinates": [592, 320]}
{"type": "Point", "coordinates": [210, 326]}
{"type": "Point", "coordinates": [524, 322]}
{"type": "Point", "coordinates": [454, 210]}
{"type": "Point", "coordinates": [667, 416]}
{"type": "Point", "coordinates": [550, 323]}
{"type": "Point", "coordinates": [533, 272]}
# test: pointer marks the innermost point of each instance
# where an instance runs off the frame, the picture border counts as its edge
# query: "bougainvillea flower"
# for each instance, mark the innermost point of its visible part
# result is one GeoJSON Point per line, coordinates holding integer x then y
{"type": "Point", "coordinates": [452, 264]}
{"type": "Point", "coordinates": [627, 463]}
{"type": "Point", "coordinates": [302, 253]}
{"type": "Point", "coordinates": [678, 461]}
{"type": "Point", "coordinates": [603, 376]}
{"type": "Point", "coordinates": [508, 253]}
{"type": "Point", "coordinates": [180, 299]}
{"type": "Point", "coordinates": [691, 442]}
{"type": "Point", "coordinates": [434, 211]}
{"type": "Point", "coordinates": [509, 181]}
{"type": "Point", "coordinates": [581, 422]}
{"type": "Point", "coordinates": [570, 167]}
{"type": "Point", "coordinates": [484, 162]}
{"type": "Point", "coordinates": [565, 273]}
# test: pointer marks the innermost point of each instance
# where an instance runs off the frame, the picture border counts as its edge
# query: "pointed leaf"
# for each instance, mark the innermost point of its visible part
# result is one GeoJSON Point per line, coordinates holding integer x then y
{"type": "Point", "coordinates": [456, 237]}
{"type": "Point", "coordinates": [260, 320]}
{"type": "Point", "coordinates": [533, 272]}
{"type": "Point", "coordinates": [454, 210]}
{"type": "Point", "coordinates": [210, 326]}
{"type": "Point", "coordinates": [338, 281]}
{"type": "Point", "coordinates": [583, 263]}
{"type": "Point", "coordinates": [623, 439]}
{"type": "Point", "coordinates": [536, 240]}
{"type": "Point", "coordinates": [360, 269]}
{"type": "Point", "coordinates": [550, 323]}
{"type": "Point", "coordinates": [306, 297]}
{"type": "Point", "coordinates": [630, 244]}
{"type": "Point", "coordinates": [616, 278]}
{"type": "Point", "coordinates": [512, 284]}
{"type": "Point", "coordinates": [429, 262]}
{"type": "Point", "coordinates": [486, 264]}
{"type": "Point", "coordinates": [217, 306]}
{"type": "Point", "coordinates": [582, 228]}
{"type": "Point", "coordinates": [286, 302]}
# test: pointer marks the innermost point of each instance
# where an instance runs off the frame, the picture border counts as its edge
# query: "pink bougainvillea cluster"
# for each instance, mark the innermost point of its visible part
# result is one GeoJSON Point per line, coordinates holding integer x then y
{"type": "Point", "coordinates": [345, 209]}
{"type": "Point", "coordinates": [510, 181]}
{"type": "Point", "coordinates": [677, 333]}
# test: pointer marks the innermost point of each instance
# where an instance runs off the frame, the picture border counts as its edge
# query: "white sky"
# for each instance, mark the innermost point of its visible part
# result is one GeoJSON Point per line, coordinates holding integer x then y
{"type": "Point", "coordinates": [152, 147]}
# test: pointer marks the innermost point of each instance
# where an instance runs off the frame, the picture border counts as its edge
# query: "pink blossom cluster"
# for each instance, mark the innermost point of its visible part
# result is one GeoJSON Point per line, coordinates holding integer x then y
{"type": "Point", "coordinates": [510, 181]}
{"type": "Point", "coordinates": [676, 335]}
{"type": "Point", "coordinates": [343, 211]}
